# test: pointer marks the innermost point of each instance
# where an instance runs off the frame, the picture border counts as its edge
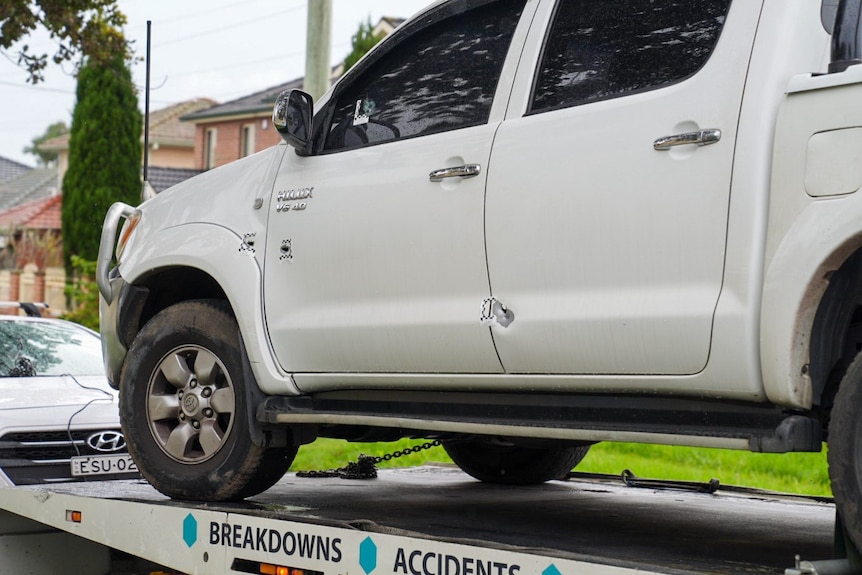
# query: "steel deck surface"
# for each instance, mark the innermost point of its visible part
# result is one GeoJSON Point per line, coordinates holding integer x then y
{"type": "Point", "coordinates": [600, 520]}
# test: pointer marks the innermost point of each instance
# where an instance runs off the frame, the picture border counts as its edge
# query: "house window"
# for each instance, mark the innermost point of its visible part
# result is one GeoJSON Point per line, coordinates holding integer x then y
{"type": "Point", "coordinates": [246, 140]}
{"type": "Point", "coordinates": [210, 138]}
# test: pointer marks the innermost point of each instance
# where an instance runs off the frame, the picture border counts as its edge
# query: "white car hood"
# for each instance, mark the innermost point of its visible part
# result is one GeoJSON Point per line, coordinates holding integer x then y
{"type": "Point", "coordinates": [45, 393]}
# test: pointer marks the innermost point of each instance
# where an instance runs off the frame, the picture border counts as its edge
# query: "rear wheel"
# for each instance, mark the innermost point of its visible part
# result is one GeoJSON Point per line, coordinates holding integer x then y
{"type": "Point", "coordinates": [845, 451]}
{"type": "Point", "coordinates": [183, 406]}
{"type": "Point", "coordinates": [496, 462]}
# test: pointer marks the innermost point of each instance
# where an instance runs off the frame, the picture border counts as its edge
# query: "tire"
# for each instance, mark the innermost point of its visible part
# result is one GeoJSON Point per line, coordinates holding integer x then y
{"type": "Point", "coordinates": [494, 462]}
{"type": "Point", "coordinates": [845, 451]}
{"type": "Point", "coordinates": [184, 412]}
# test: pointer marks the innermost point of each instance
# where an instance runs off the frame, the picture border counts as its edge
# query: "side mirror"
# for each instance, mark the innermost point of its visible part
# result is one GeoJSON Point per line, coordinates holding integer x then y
{"type": "Point", "coordinates": [292, 117]}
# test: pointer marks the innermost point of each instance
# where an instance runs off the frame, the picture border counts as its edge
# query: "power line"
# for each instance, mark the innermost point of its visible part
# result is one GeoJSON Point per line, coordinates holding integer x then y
{"type": "Point", "coordinates": [233, 26]}
{"type": "Point", "coordinates": [36, 88]}
{"type": "Point", "coordinates": [247, 64]}
{"type": "Point", "coordinates": [212, 10]}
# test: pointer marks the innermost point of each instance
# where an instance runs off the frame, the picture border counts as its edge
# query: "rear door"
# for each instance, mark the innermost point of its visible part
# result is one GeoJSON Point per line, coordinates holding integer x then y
{"type": "Point", "coordinates": [608, 198]}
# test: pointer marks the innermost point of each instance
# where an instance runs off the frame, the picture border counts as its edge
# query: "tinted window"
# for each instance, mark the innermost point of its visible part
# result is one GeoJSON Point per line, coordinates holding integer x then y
{"type": "Point", "coordinates": [600, 49]}
{"type": "Point", "coordinates": [36, 348]}
{"type": "Point", "coordinates": [440, 78]}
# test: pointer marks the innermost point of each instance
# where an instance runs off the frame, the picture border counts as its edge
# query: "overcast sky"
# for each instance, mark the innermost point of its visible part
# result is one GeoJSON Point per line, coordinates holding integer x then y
{"type": "Point", "coordinates": [220, 49]}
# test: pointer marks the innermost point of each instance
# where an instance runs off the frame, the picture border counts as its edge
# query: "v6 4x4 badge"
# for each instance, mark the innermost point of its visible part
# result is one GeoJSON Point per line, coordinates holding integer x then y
{"type": "Point", "coordinates": [292, 200]}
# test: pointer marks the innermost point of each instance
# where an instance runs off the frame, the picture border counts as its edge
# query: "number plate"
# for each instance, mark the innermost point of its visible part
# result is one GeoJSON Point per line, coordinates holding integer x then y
{"type": "Point", "coordinates": [103, 465]}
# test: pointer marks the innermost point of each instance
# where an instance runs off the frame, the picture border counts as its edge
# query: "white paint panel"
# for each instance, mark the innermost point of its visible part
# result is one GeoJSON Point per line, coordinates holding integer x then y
{"type": "Point", "coordinates": [387, 272]}
{"type": "Point", "coordinates": [611, 254]}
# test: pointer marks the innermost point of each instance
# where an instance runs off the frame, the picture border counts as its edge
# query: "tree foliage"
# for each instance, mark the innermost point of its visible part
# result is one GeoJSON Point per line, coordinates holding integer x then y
{"type": "Point", "coordinates": [83, 293]}
{"type": "Point", "coordinates": [363, 41]}
{"type": "Point", "coordinates": [46, 157]}
{"type": "Point", "coordinates": [104, 154]}
{"type": "Point", "coordinates": [80, 27]}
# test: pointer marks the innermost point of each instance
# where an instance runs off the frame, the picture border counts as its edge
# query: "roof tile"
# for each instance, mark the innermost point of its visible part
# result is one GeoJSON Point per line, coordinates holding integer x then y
{"type": "Point", "coordinates": [34, 184]}
{"type": "Point", "coordinates": [41, 214]}
{"type": "Point", "coordinates": [10, 169]}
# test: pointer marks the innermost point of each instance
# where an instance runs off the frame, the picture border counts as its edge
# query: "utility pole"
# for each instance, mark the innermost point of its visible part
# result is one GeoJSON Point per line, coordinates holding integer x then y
{"type": "Point", "coordinates": [317, 47]}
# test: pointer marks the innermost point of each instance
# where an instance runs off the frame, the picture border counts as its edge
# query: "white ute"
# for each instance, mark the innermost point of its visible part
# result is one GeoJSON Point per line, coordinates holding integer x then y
{"type": "Point", "coordinates": [519, 227]}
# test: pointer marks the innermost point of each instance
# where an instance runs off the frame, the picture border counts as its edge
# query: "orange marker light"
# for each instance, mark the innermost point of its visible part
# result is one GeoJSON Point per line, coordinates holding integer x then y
{"type": "Point", "coordinates": [269, 569]}
{"type": "Point", "coordinates": [73, 516]}
{"type": "Point", "coordinates": [126, 233]}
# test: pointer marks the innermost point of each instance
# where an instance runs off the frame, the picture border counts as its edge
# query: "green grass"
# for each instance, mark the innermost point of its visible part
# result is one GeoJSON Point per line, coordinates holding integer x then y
{"type": "Point", "coordinates": [800, 473]}
{"type": "Point", "coordinates": [334, 453]}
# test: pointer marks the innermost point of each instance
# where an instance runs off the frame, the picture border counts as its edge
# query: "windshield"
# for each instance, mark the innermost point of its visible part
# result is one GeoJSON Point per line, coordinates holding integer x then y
{"type": "Point", "coordinates": [37, 348]}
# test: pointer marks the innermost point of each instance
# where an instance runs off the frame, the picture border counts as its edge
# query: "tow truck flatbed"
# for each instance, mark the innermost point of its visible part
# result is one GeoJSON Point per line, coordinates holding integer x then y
{"type": "Point", "coordinates": [438, 521]}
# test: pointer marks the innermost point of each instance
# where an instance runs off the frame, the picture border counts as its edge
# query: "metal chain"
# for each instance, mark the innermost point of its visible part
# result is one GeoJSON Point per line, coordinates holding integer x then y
{"type": "Point", "coordinates": [365, 467]}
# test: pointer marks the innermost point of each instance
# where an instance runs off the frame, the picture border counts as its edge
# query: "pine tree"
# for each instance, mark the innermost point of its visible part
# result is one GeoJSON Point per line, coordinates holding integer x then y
{"type": "Point", "coordinates": [104, 154]}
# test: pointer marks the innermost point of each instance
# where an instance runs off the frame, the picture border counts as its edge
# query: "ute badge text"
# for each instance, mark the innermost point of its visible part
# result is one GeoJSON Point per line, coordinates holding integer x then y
{"type": "Point", "coordinates": [292, 200]}
{"type": "Point", "coordinates": [107, 441]}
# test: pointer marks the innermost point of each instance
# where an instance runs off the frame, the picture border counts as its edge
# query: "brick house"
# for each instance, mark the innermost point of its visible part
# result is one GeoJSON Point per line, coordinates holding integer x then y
{"type": "Point", "coordinates": [235, 129]}
{"type": "Point", "coordinates": [171, 152]}
{"type": "Point", "coordinates": [32, 253]}
{"type": "Point", "coordinates": [29, 230]}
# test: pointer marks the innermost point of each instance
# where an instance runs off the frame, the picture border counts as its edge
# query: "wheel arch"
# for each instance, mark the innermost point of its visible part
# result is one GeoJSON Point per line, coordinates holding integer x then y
{"type": "Point", "coordinates": [809, 302]}
{"type": "Point", "coordinates": [203, 261]}
{"type": "Point", "coordinates": [162, 288]}
{"type": "Point", "coordinates": [182, 277]}
{"type": "Point", "coordinates": [836, 332]}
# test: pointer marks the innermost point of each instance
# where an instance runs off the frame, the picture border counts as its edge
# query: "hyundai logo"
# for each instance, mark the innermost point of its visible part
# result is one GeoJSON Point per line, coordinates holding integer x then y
{"type": "Point", "coordinates": [107, 441]}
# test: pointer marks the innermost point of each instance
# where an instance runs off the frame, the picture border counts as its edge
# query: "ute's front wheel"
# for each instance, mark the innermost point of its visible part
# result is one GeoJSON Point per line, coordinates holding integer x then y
{"type": "Point", "coordinates": [184, 408]}
{"type": "Point", "coordinates": [496, 462]}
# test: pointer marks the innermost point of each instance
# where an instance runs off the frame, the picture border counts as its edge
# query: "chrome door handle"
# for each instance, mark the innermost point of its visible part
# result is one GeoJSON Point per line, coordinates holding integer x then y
{"type": "Point", "coordinates": [701, 138]}
{"type": "Point", "coordinates": [466, 171]}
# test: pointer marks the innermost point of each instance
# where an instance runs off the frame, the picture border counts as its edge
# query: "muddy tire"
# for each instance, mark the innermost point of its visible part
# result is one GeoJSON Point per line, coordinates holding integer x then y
{"type": "Point", "coordinates": [845, 451]}
{"type": "Point", "coordinates": [494, 462]}
{"type": "Point", "coordinates": [183, 407]}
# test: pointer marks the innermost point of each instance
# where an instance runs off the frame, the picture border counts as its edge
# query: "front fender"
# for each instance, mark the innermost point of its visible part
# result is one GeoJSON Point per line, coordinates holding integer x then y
{"type": "Point", "coordinates": [227, 257]}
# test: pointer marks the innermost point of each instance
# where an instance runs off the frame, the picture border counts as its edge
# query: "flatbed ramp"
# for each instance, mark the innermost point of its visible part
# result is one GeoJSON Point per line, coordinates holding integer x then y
{"type": "Point", "coordinates": [424, 521]}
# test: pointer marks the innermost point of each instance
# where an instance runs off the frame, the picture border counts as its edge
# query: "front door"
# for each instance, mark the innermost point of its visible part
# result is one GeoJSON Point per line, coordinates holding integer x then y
{"type": "Point", "coordinates": [372, 265]}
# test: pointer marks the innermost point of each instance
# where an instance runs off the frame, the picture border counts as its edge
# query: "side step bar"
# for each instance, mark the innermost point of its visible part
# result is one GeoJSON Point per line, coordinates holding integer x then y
{"type": "Point", "coordinates": [640, 419]}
